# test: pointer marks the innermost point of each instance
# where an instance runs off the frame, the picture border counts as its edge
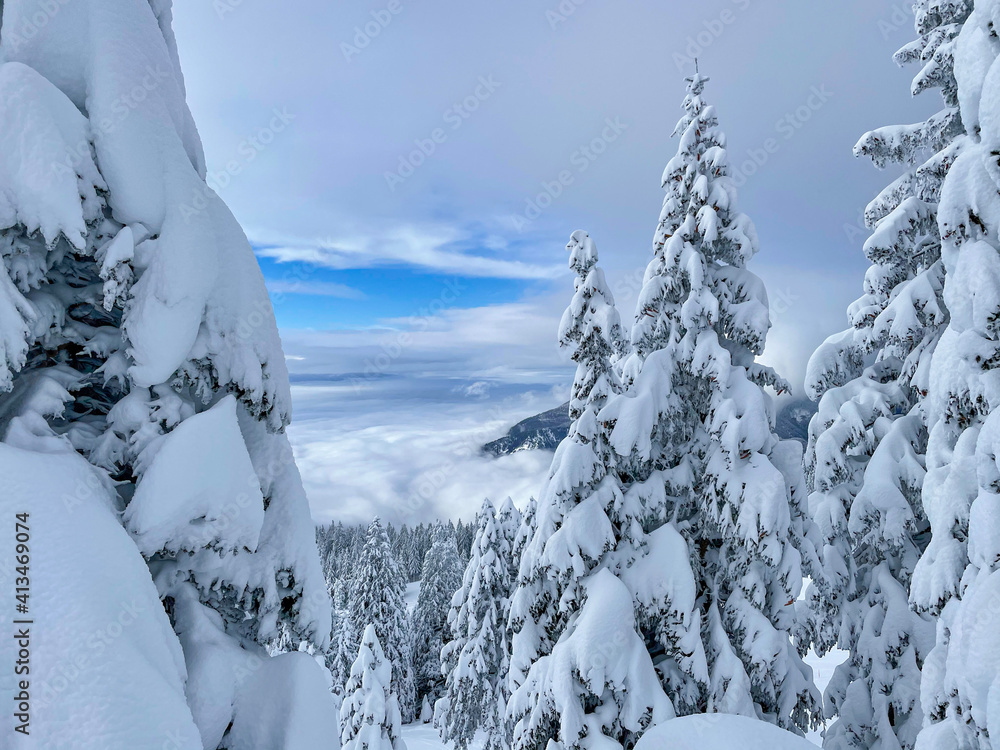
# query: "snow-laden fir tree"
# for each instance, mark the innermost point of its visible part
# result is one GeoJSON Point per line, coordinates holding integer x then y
{"type": "Point", "coordinates": [512, 525]}
{"type": "Point", "coordinates": [865, 459]}
{"type": "Point", "coordinates": [420, 542]}
{"type": "Point", "coordinates": [572, 530]}
{"type": "Point", "coordinates": [524, 533]}
{"type": "Point", "coordinates": [405, 551]}
{"type": "Point", "coordinates": [343, 637]}
{"type": "Point", "coordinates": [370, 718]}
{"type": "Point", "coordinates": [510, 521]}
{"type": "Point", "coordinates": [441, 578]}
{"type": "Point", "coordinates": [137, 331]}
{"type": "Point", "coordinates": [474, 661]}
{"type": "Point", "coordinates": [699, 459]}
{"type": "Point", "coordinates": [564, 691]}
{"type": "Point", "coordinates": [376, 597]}
{"type": "Point", "coordinates": [465, 534]}
{"type": "Point", "coordinates": [957, 577]}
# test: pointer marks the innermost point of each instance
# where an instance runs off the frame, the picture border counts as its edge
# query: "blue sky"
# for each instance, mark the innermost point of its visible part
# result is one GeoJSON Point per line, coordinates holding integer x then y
{"type": "Point", "coordinates": [306, 296]}
{"type": "Point", "coordinates": [394, 209]}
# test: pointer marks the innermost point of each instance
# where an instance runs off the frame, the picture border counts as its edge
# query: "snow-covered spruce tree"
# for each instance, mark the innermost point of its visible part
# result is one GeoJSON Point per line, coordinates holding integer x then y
{"type": "Point", "coordinates": [865, 458]}
{"type": "Point", "coordinates": [698, 456]}
{"type": "Point", "coordinates": [512, 526]}
{"type": "Point", "coordinates": [580, 522]}
{"type": "Point", "coordinates": [405, 553]}
{"type": "Point", "coordinates": [370, 718]}
{"type": "Point", "coordinates": [474, 661]}
{"type": "Point", "coordinates": [465, 534]}
{"type": "Point", "coordinates": [138, 332]}
{"type": "Point", "coordinates": [579, 489]}
{"type": "Point", "coordinates": [441, 578]}
{"type": "Point", "coordinates": [420, 542]}
{"type": "Point", "coordinates": [340, 596]}
{"type": "Point", "coordinates": [343, 637]}
{"type": "Point", "coordinates": [957, 577]}
{"type": "Point", "coordinates": [509, 520]}
{"type": "Point", "coordinates": [377, 589]}
{"type": "Point", "coordinates": [524, 533]}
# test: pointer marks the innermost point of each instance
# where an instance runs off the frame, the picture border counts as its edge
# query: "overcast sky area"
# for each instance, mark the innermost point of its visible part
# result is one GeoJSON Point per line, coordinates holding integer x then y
{"type": "Point", "coordinates": [409, 180]}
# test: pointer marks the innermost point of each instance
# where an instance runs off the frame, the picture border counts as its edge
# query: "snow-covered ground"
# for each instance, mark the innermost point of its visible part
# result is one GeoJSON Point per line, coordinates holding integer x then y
{"type": "Point", "coordinates": [425, 737]}
{"type": "Point", "coordinates": [411, 595]}
{"type": "Point", "coordinates": [719, 732]}
{"type": "Point", "coordinates": [823, 667]}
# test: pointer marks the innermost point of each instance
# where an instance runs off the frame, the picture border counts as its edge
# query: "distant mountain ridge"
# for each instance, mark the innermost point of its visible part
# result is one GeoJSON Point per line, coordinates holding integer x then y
{"type": "Point", "coordinates": [546, 430]}
{"type": "Point", "coordinates": [541, 432]}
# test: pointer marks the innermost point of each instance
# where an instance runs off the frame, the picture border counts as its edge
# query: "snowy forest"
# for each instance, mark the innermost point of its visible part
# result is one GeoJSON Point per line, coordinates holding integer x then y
{"type": "Point", "coordinates": [681, 576]}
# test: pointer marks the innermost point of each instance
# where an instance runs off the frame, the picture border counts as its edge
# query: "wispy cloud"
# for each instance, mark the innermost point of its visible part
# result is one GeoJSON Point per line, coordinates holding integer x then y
{"type": "Point", "coordinates": [314, 289]}
{"type": "Point", "coordinates": [438, 249]}
{"type": "Point", "coordinates": [510, 343]}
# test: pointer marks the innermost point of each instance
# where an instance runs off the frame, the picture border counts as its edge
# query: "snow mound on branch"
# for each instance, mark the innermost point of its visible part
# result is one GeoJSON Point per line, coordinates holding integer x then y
{"type": "Point", "coordinates": [193, 488]}
{"type": "Point", "coordinates": [199, 297]}
{"type": "Point", "coordinates": [285, 706]}
{"type": "Point", "coordinates": [88, 638]}
{"type": "Point", "coordinates": [602, 651]}
{"type": "Point", "coordinates": [834, 363]}
{"type": "Point", "coordinates": [287, 538]}
{"type": "Point", "coordinates": [668, 551]}
{"type": "Point", "coordinates": [720, 732]}
{"type": "Point", "coordinates": [50, 181]}
{"type": "Point", "coordinates": [973, 660]}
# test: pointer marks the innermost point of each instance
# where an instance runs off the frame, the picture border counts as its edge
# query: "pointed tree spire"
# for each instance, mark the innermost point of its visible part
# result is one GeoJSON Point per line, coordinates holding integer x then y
{"type": "Point", "coordinates": [475, 660]}
{"type": "Point", "coordinates": [377, 589]}
{"type": "Point", "coordinates": [695, 445]}
{"type": "Point", "coordinates": [572, 529]}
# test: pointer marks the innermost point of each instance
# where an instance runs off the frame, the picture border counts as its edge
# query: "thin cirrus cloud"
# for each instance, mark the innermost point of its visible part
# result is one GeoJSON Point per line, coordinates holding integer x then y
{"type": "Point", "coordinates": [444, 250]}
{"type": "Point", "coordinates": [508, 343]}
{"type": "Point", "coordinates": [313, 289]}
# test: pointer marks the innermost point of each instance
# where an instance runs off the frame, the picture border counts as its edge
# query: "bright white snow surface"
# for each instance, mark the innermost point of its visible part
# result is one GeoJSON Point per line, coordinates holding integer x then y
{"type": "Point", "coordinates": [719, 732]}
{"type": "Point", "coordinates": [285, 706]}
{"type": "Point", "coordinates": [210, 488]}
{"type": "Point", "coordinates": [412, 595]}
{"type": "Point", "coordinates": [98, 629]}
{"type": "Point", "coordinates": [425, 737]}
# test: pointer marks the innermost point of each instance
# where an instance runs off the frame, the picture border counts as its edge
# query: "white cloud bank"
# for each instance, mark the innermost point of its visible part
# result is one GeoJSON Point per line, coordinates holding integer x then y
{"type": "Point", "coordinates": [409, 459]}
